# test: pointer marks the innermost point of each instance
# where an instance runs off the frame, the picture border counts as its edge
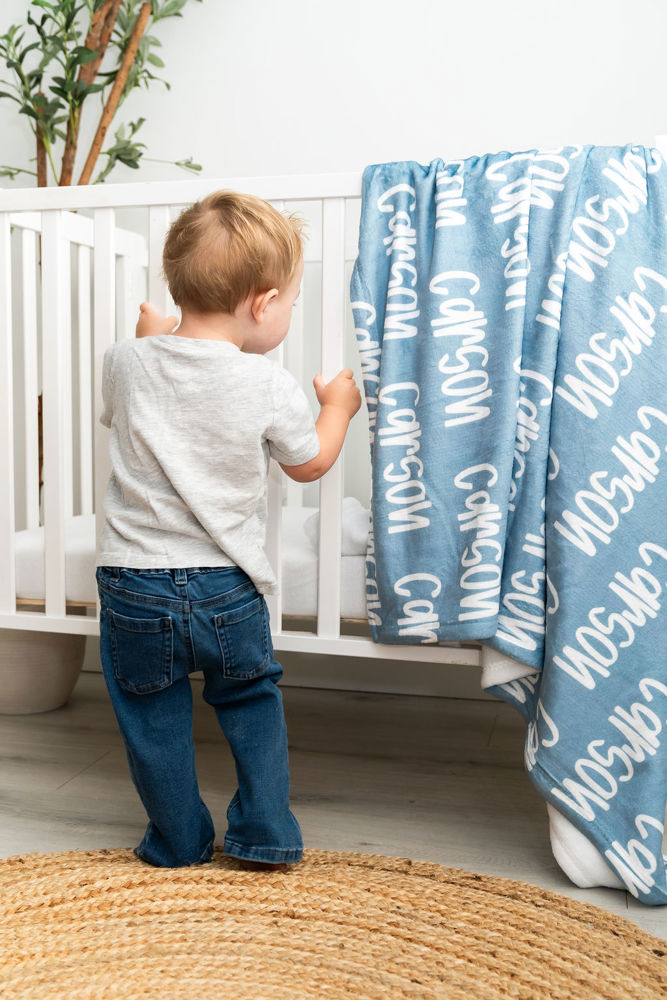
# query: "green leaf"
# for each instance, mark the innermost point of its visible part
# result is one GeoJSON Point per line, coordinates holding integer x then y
{"type": "Point", "coordinates": [27, 49]}
{"type": "Point", "coordinates": [155, 60]}
{"type": "Point", "coordinates": [90, 88]}
{"type": "Point", "coordinates": [13, 172]}
{"type": "Point", "coordinates": [172, 8]}
{"type": "Point", "coordinates": [63, 87]}
{"type": "Point", "coordinates": [82, 55]}
{"type": "Point", "coordinates": [52, 45]}
{"type": "Point", "coordinates": [189, 165]}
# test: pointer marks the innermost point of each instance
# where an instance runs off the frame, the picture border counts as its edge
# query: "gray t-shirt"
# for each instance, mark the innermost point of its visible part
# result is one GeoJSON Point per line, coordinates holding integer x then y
{"type": "Point", "coordinates": [193, 423]}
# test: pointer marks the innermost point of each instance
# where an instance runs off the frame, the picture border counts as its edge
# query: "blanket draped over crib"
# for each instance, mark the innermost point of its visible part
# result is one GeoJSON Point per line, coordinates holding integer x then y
{"type": "Point", "coordinates": [510, 313]}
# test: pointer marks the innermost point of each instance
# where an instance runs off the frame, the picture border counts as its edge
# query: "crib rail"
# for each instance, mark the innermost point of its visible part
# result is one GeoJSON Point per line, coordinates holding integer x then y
{"type": "Point", "coordinates": [72, 276]}
{"type": "Point", "coordinates": [293, 187]}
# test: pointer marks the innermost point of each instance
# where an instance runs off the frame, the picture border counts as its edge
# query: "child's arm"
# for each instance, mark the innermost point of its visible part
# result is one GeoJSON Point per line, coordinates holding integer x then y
{"type": "Point", "coordinates": [151, 323]}
{"type": "Point", "coordinates": [339, 400]}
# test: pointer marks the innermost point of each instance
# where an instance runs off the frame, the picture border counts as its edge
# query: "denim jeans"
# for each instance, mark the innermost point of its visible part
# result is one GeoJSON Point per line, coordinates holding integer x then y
{"type": "Point", "coordinates": [156, 627]}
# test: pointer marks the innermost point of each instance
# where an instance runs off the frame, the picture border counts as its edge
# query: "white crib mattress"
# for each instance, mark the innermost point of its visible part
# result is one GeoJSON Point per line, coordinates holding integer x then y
{"type": "Point", "coordinates": [299, 574]}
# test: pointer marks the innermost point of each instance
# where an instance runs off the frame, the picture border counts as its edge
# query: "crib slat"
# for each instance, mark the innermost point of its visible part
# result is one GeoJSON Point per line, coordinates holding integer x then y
{"type": "Point", "coordinates": [331, 485]}
{"type": "Point", "coordinates": [66, 279]}
{"type": "Point", "coordinates": [288, 354]}
{"type": "Point", "coordinates": [294, 364]}
{"type": "Point", "coordinates": [104, 334]}
{"type": "Point", "coordinates": [85, 383]}
{"type": "Point", "coordinates": [158, 293]}
{"type": "Point", "coordinates": [274, 512]}
{"type": "Point", "coordinates": [273, 542]}
{"type": "Point", "coordinates": [7, 558]}
{"type": "Point", "coordinates": [57, 473]}
{"type": "Point", "coordinates": [132, 245]}
{"type": "Point", "coordinates": [126, 308]}
{"type": "Point", "coordinates": [30, 377]}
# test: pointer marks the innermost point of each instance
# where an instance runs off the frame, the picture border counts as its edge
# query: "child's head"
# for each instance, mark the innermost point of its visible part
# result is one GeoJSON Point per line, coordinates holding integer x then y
{"type": "Point", "coordinates": [227, 247]}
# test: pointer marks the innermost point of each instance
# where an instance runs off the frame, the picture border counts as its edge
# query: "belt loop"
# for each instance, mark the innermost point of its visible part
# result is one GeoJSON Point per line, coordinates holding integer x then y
{"type": "Point", "coordinates": [180, 576]}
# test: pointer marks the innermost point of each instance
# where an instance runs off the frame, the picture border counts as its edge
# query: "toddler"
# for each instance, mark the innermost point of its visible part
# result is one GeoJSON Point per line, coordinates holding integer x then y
{"type": "Point", "coordinates": [194, 417]}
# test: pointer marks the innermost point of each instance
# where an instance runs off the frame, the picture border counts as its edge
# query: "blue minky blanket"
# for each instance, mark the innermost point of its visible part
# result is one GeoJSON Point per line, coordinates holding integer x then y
{"type": "Point", "coordinates": [510, 313]}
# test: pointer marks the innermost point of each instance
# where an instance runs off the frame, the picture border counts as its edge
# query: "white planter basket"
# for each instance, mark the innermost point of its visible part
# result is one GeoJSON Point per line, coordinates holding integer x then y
{"type": "Point", "coordinates": [38, 670]}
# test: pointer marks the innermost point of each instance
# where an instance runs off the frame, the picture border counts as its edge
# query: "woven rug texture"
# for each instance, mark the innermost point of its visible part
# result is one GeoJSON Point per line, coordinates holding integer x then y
{"type": "Point", "coordinates": [100, 925]}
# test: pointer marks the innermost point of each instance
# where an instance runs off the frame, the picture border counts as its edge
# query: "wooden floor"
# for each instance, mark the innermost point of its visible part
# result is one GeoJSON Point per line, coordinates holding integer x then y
{"type": "Point", "coordinates": [439, 779]}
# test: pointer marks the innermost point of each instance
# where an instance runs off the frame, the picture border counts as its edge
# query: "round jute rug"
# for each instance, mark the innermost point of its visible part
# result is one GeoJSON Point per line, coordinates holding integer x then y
{"type": "Point", "coordinates": [102, 924]}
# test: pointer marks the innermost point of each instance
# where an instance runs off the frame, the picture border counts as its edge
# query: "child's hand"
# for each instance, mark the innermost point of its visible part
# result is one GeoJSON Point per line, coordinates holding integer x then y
{"type": "Point", "coordinates": [341, 391]}
{"type": "Point", "coordinates": [151, 323]}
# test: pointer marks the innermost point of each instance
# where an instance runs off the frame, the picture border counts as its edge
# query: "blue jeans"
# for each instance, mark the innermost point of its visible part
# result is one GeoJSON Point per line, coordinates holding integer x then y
{"type": "Point", "coordinates": [156, 627]}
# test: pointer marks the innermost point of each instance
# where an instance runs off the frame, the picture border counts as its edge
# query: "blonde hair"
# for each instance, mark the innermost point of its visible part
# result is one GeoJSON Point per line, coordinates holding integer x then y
{"type": "Point", "coordinates": [227, 247]}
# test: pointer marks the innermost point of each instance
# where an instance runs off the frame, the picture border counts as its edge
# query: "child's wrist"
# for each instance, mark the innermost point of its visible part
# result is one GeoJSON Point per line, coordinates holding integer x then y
{"type": "Point", "coordinates": [338, 409]}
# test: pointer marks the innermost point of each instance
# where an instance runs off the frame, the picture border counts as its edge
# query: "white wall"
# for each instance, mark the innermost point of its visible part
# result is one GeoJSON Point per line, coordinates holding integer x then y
{"type": "Point", "coordinates": [266, 88]}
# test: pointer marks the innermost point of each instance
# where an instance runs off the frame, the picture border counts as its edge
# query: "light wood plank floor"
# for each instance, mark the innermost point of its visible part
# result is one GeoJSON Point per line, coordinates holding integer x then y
{"type": "Point", "coordinates": [437, 779]}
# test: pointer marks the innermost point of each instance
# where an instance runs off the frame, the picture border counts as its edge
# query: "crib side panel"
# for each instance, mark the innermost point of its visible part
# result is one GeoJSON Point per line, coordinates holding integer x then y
{"type": "Point", "coordinates": [95, 270]}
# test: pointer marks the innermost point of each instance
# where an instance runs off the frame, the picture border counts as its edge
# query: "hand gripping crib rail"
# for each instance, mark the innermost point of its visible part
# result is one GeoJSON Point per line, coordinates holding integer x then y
{"type": "Point", "coordinates": [72, 277]}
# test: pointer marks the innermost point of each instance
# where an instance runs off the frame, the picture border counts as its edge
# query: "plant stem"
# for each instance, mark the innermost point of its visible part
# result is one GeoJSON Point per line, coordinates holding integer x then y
{"type": "Point", "coordinates": [49, 153]}
{"type": "Point", "coordinates": [41, 155]}
{"type": "Point", "coordinates": [17, 170]}
{"type": "Point", "coordinates": [103, 32]}
{"type": "Point", "coordinates": [116, 91]}
{"type": "Point", "coordinates": [97, 40]}
{"type": "Point", "coordinates": [41, 163]}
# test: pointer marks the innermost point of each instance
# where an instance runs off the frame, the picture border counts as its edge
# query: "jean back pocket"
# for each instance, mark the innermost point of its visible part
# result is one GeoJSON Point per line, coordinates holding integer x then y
{"type": "Point", "coordinates": [142, 651]}
{"type": "Point", "coordinates": [244, 639]}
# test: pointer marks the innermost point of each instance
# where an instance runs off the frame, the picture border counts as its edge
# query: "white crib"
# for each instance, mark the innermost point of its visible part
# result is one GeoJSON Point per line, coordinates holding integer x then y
{"type": "Point", "coordinates": [72, 272]}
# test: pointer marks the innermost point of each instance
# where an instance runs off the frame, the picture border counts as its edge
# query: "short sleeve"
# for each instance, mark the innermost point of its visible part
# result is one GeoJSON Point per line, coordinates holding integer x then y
{"type": "Point", "coordinates": [107, 388]}
{"type": "Point", "coordinates": [292, 436]}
